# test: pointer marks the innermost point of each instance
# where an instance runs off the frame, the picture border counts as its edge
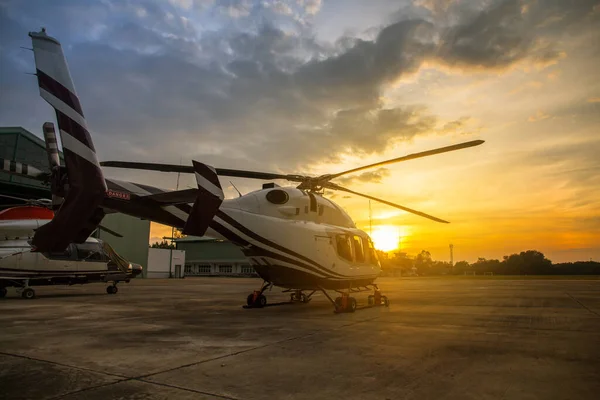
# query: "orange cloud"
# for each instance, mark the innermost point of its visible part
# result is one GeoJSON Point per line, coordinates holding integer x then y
{"type": "Point", "coordinates": [594, 100]}
{"type": "Point", "coordinates": [539, 116]}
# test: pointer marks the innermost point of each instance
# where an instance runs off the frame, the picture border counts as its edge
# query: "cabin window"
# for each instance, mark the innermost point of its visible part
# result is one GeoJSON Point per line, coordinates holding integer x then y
{"type": "Point", "coordinates": [370, 252]}
{"type": "Point", "coordinates": [90, 252]}
{"type": "Point", "coordinates": [359, 254]}
{"type": "Point", "coordinates": [344, 247]}
{"type": "Point", "coordinates": [60, 255]}
{"type": "Point", "coordinates": [278, 196]}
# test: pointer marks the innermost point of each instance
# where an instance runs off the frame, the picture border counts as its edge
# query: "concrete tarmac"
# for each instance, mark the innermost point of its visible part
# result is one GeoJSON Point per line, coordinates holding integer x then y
{"type": "Point", "coordinates": [441, 338]}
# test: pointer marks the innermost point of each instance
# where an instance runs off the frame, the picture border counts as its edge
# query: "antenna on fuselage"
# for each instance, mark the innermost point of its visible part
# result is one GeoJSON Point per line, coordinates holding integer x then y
{"type": "Point", "coordinates": [236, 189]}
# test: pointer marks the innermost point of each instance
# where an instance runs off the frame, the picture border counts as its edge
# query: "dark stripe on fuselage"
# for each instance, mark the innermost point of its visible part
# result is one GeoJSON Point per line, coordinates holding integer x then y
{"type": "Point", "coordinates": [251, 250]}
{"type": "Point", "coordinates": [151, 189]}
{"type": "Point", "coordinates": [267, 242]}
{"type": "Point", "coordinates": [55, 88]}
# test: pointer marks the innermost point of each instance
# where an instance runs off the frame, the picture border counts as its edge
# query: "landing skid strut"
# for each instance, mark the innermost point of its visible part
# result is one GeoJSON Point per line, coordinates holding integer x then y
{"type": "Point", "coordinates": [342, 304]}
{"type": "Point", "coordinates": [345, 303]}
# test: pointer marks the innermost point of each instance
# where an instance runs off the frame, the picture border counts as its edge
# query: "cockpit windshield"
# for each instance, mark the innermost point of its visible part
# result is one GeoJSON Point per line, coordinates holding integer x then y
{"type": "Point", "coordinates": [122, 264]}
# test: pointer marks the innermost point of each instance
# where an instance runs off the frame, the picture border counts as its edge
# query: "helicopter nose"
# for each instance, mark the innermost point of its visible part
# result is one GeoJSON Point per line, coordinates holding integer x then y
{"type": "Point", "coordinates": [136, 269]}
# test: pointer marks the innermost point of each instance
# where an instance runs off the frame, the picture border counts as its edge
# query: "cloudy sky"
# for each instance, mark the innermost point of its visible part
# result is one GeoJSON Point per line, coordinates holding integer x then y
{"type": "Point", "coordinates": [310, 86]}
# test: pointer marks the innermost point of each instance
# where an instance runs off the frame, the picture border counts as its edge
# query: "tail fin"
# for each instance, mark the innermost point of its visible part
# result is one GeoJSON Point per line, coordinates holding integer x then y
{"type": "Point", "coordinates": [86, 182]}
{"type": "Point", "coordinates": [209, 199]}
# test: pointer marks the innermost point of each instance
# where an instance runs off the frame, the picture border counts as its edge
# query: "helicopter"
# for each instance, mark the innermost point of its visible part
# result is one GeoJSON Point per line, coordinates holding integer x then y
{"type": "Point", "coordinates": [79, 263]}
{"type": "Point", "coordinates": [295, 237]}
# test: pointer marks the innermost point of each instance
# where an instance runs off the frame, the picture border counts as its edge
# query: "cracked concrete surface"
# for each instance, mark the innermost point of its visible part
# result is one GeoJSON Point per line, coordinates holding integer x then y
{"type": "Point", "coordinates": [451, 338]}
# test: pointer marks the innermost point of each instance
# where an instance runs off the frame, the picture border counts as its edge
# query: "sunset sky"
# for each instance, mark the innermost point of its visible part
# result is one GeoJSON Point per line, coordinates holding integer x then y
{"type": "Point", "coordinates": [309, 86]}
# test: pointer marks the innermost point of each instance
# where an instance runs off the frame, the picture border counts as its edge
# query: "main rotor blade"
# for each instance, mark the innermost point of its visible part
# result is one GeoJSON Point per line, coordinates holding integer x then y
{"type": "Point", "coordinates": [412, 156]}
{"type": "Point", "coordinates": [105, 229]}
{"type": "Point", "coordinates": [185, 169]}
{"type": "Point", "coordinates": [14, 198]}
{"type": "Point", "coordinates": [333, 186]}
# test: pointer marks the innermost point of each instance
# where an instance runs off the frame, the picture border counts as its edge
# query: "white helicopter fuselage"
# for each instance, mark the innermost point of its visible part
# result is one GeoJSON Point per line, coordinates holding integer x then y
{"type": "Point", "coordinates": [78, 263]}
{"type": "Point", "coordinates": [298, 240]}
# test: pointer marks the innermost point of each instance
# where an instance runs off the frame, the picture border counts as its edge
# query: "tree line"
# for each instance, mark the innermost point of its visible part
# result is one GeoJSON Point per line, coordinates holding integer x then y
{"type": "Point", "coordinates": [530, 262]}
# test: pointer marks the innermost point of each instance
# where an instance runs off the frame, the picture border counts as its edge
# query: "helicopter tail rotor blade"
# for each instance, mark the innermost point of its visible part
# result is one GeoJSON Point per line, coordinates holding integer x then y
{"type": "Point", "coordinates": [51, 145]}
{"type": "Point", "coordinates": [410, 210]}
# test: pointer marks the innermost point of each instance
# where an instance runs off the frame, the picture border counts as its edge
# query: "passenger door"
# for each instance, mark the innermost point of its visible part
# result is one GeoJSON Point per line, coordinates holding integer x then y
{"type": "Point", "coordinates": [59, 262]}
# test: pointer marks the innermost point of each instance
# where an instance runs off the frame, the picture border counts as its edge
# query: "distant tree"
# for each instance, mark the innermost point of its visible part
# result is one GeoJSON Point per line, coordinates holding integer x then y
{"type": "Point", "coordinates": [460, 267]}
{"type": "Point", "coordinates": [162, 245]}
{"type": "Point", "coordinates": [483, 265]}
{"type": "Point", "coordinates": [423, 262]}
{"type": "Point", "coordinates": [403, 262]}
{"type": "Point", "coordinates": [535, 262]}
{"type": "Point", "coordinates": [439, 268]}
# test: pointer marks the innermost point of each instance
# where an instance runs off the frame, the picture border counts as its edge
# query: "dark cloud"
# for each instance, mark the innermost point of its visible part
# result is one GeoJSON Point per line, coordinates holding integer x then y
{"type": "Point", "coordinates": [367, 177]}
{"type": "Point", "coordinates": [156, 85]}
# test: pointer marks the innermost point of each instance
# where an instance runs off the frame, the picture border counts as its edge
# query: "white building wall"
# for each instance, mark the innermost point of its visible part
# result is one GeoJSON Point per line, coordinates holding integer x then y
{"type": "Point", "coordinates": [158, 263]}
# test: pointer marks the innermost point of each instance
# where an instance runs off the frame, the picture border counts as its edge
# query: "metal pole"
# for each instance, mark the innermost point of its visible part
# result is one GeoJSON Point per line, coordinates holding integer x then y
{"type": "Point", "coordinates": [370, 220]}
{"type": "Point", "coordinates": [173, 233]}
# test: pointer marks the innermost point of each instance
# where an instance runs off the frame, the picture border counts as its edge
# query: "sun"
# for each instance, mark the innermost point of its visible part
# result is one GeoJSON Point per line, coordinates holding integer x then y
{"type": "Point", "coordinates": [385, 237]}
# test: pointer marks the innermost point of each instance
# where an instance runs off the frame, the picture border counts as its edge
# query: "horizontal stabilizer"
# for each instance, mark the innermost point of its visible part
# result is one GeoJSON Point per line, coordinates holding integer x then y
{"type": "Point", "coordinates": [208, 200]}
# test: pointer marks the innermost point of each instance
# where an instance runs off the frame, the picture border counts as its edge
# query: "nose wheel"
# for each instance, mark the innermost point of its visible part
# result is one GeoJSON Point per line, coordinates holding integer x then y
{"type": "Point", "coordinates": [345, 304]}
{"type": "Point", "coordinates": [257, 299]}
{"type": "Point", "coordinates": [112, 289]}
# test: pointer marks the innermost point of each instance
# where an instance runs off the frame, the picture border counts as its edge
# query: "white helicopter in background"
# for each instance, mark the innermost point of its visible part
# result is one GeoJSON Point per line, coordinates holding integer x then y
{"type": "Point", "coordinates": [80, 263]}
{"type": "Point", "coordinates": [294, 237]}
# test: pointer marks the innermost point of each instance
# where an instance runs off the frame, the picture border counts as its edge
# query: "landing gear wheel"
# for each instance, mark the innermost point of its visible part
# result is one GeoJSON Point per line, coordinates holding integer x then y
{"type": "Point", "coordinates": [3, 292]}
{"type": "Point", "coordinates": [112, 289]}
{"type": "Point", "coordinates": [260, 302]}
{"type": "Point", "coordinates": [351, 304]}
{"type": "Point", "coordinates": [371, 300]}
{"type": "Point", "coordinates": [385, 300]}
{"type": "Point", "coordinates": [28, 293]}
{"type": "Point", "coordinates": [338, 304]}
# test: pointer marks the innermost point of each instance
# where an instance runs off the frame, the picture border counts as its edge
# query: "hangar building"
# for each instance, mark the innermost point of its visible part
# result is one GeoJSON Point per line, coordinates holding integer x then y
{"type": "Point", "coordinates": [20, 145]}
{"type": "Point", "coordinates": [206, 256]}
